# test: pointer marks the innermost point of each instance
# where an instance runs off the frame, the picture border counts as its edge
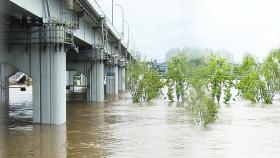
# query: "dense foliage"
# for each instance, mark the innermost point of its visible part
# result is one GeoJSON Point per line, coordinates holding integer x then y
{"type": "Point", "coordinates": [259, 82]}
{"type": "Point", "coordinates": [271, 74]}
{"type": "Point", "coordinates": [191, 80]}
{"type": "Point", "coordinates": [142, 82]}
{"type": "Point", "coordinates": [249, 83]}
{"type": "Point", "coordinates": [200, 83]}
{"type": "Point", "coordinates": [176, 76]}
{"type": "Point", "coordinates": [220, 78]}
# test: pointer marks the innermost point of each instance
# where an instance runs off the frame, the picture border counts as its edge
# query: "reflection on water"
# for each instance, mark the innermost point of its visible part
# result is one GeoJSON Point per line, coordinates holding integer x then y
{"type": "Point", "coordinates": [118, 128]}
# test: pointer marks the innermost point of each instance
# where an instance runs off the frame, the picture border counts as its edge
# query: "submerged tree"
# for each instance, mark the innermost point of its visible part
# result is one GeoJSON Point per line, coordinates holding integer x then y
{"type": "Point", "coordinates": [203, 108]}
{"type": "Point", "coordinates": [176, 76]}
{"type": "Point", "coordinates": [220, 77]}
{"type": "Point", "coordinates": [188, 78]}
{"type": "Point", "coordinates": [142, 82]}
{"type": "Point", "coordinates": [133, 80]}
{"type": "Point", "coordinates": [201, 105]}
{"type": "Point", "coordinates": [259, 82]}
{"type": "Point", "coordinates": [250, 86]}
{"type": "Point", "coordinates": [151, 84]}
{"type": "Point", "coordinates": [271, 74]}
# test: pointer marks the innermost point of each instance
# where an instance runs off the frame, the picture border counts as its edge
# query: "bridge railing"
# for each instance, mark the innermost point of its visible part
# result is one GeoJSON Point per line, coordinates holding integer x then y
{"type": "Point", "coordinates": [99, 10]}
{"type": "Point", "coordinates": [112, 28]}
{"type": "Point", "coordinates": [97, 7]}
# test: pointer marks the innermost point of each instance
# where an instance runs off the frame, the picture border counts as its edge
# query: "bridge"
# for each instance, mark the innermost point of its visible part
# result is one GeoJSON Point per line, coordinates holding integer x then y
{"type": "Point", "coordinates": [48, 40]}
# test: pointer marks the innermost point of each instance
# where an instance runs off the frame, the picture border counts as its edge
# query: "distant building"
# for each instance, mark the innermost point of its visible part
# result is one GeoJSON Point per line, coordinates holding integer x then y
{"type": "Point", "coordinates": [195, 53]}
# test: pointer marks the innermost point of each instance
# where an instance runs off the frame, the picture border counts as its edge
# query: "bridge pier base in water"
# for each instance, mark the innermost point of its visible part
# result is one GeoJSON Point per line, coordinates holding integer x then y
{"type": "Point", "coordinates": [121, 79]}
{"type": "Point", "coordinates": [95, 88]}
{"type": "Point", "coordinates": [5, 72]}
{"type": "Point", "coordinates": [49, 82]}
{"type": "Point", "coordinates": [112, 79]}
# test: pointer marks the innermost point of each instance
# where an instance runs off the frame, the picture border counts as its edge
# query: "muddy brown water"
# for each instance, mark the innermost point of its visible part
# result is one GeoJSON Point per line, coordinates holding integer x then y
{"type": "Point", "coordinates": [119, 129]}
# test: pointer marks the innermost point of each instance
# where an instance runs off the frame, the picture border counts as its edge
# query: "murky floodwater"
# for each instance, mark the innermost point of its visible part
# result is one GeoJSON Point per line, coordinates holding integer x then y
{"type": "Point", "coordinates": [118, 128]}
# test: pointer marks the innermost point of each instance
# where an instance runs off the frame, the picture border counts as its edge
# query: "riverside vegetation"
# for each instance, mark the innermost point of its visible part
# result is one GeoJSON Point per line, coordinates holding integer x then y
{"type": "Point", "coordinates": [199, 84]}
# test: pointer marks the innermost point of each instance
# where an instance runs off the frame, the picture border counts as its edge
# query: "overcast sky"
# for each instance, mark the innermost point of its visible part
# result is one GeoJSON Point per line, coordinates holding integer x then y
{"type": "Point", "coordinates": [239, 26]}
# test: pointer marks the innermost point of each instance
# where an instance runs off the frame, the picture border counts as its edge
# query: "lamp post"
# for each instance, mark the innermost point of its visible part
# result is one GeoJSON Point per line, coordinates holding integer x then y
{"type": "Point", "coordinates": [122, 20]}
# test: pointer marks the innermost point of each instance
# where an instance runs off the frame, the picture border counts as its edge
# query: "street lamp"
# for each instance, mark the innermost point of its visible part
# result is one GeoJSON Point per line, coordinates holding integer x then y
{"type": "Point", "coordinates": [122, 20]}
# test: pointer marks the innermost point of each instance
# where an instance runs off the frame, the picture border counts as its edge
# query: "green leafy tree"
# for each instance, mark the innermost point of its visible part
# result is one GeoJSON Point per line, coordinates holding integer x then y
{"type": "Point", "coordinates": [271, 73]}
{"type": "Point", "coordinates": [202, 107]}
{"type": "Point", "coordinates": [176, 76]}
{"type": "Point", "coordinates": [142, 82]}
{"type": "Point", "coordinates": [220, 76]}
{"type": "Point", "coordinates": [249, 86]}
{"type": "Point", "coordinates": [134, 78]}
{"type": "Point", "coordinates": [189, 79]}
{"type": "Point", "coordinates": [151, 84]}
{"type": "Point", "coordinates": [170, 89]}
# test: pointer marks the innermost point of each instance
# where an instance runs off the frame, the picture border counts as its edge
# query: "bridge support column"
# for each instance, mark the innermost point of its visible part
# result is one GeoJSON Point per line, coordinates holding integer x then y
{"type": "Point", "coordinates": [67, 78]}
{"type": "Point", "coordinates": [49, 81]}
{"type": "Point", "coordinates": [4, 110]}
{"type": "Point", "coordinates": [83, 80]}
{"type": "Point", "coordinates": [4, 113]}
{"type": "Point", "coordinates": [109, 79]}
{"type": "Point", "coordinates": [112, 79]}
{"type": "Point", "coordinates": [70, 76]}
{"type": "Point", "coordinates": [95, 90]}
{"type": "Point", "coordinates": [116, 81]}
{"type": "Point", "coordinates": [121, 78]}
{"type": "Point", "coordinates": [4, 84]}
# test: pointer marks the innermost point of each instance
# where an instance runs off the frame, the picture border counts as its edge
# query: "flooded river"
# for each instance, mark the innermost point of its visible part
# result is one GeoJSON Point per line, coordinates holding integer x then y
{"type": "Point", "coordinates": [118, 128]}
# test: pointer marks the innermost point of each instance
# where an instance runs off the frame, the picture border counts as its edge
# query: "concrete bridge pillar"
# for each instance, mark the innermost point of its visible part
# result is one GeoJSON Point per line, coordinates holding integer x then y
{"type": "Point", "coordinates": [112, 79]}
{"type": "Point", "coordinates": [70, 79]}
{"type": "Point", "coordinates": [122, 79]}
{"type": "Point", "coordinates": [83, 80]}
{"type": "Point", "coordinates": [49, 81]}
{"type": "Point", "coordinates": [116, 81]}
{"type": "Point", "coordinates": [4, 110]}
{"type": "Point", "coordinates": [109, 79]}
{"type": "Point", "coordinates": [67, 78]}
{"type": "Point", "coordinates": [4, 84]}
{"type": "Point", "coordinates": [95, 90]}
